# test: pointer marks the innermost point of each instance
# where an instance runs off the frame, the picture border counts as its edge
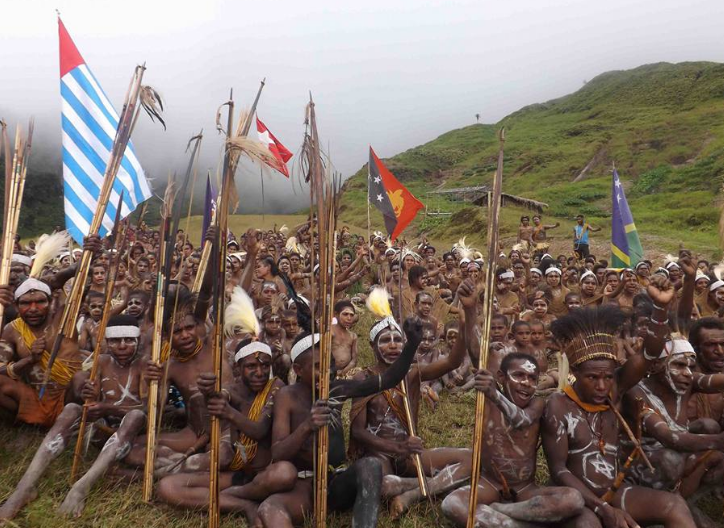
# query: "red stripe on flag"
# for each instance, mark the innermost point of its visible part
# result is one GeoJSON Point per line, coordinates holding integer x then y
{"type": "Point", "coordinates": [70, 57]}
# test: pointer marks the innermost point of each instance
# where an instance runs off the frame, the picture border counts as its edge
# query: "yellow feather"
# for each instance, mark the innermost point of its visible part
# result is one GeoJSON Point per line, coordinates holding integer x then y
{"type": "Point", "coordinates": [239, 316]}
{"type": "Point", "coordinates": [46, 249]}
{"type": "Point", "coordinates": [378, 302]}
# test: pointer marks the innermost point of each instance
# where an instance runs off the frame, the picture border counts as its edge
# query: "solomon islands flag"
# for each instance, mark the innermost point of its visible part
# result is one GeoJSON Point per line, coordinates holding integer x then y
{"type": "Point", "coordinates": [397, 205]}
{"type": "Point", "coordinates": [626, 250]}
{"type": "Point", "coordinates": [88, 123]}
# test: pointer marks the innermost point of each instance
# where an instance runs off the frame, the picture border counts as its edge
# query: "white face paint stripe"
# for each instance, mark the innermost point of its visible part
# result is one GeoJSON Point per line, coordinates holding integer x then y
{"type": "Point", "coordinates": [528, 366]}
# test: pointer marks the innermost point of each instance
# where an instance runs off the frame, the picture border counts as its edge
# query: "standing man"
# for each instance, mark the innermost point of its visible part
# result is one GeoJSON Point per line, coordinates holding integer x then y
{"type": "Point", "coordinates": [580, 236]}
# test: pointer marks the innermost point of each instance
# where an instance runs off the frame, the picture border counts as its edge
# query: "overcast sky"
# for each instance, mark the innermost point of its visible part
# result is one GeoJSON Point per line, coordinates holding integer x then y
{"type": "Point", "coordinates": [388, 73]}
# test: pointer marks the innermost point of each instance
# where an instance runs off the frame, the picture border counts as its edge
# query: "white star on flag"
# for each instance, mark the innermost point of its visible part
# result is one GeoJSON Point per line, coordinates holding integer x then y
{"type": "Point", "coordinates": [379, 197]}
{"type": "Point", "coordinates": [378, 179]}
{"type": "Point", "coordinates": [264, 138]}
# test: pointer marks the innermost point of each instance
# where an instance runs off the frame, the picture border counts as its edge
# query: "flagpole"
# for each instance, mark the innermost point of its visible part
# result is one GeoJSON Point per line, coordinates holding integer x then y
{"type": "Point", "coordinates": [369, 240]}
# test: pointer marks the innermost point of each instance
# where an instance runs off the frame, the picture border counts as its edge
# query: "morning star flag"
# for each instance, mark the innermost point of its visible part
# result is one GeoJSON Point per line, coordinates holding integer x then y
{"type": "Point", "coordinates": [88, 123]}
{"type": "Point", "coordinates": [626, 249]}
{"type": "Point", "coordinates": [280, 152]}
{"type": "Point", "coordinates": [397, 205]}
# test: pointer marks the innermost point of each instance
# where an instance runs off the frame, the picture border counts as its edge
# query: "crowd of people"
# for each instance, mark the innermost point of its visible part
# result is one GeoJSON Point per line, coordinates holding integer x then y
{"type": "Point", "coordinates": [617, 373]}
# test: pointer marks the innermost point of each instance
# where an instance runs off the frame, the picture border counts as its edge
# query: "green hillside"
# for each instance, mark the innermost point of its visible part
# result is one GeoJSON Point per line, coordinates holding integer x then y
{"type": "Point", "coordinates": [662, 124]}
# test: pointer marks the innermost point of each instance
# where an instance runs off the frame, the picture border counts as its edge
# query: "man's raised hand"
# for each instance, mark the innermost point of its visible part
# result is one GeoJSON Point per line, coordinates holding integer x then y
{"type": "Point", "coordinates": [413, 329]}
{"type": "Point", "coordinates": [466, 293]}
{"type": "Point", "coordinates": [660, 290]}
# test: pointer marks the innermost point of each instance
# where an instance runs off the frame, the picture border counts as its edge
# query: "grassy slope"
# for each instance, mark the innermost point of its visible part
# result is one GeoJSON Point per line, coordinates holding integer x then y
{"type": "Point", "coordinates": [662, 124]}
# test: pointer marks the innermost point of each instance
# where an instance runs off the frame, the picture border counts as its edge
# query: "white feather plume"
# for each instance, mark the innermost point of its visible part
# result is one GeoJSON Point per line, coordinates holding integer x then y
{"type": "Point", "coordinates": [46, 249]}
{"type": "Point", "coordinates": [284, 229]}
{"type": "Point", "coordinates": [718, 270]}
{"type": "Point", "coordinates": [239, 316]}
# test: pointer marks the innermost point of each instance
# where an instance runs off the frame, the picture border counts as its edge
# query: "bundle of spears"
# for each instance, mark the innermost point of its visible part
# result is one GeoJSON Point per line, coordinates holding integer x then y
{"type": "Point", "coordinates": [15, 172]}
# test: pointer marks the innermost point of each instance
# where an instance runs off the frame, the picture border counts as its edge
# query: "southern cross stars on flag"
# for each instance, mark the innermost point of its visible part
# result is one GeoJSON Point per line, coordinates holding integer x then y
{"type": "Point", "coordinates": [397, 205]}
{"type": "Point", "coordinates": [626, 250]}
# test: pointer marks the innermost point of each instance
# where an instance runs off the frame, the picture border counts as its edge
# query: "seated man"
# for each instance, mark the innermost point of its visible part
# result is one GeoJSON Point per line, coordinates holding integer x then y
{"type": "Point", "coordinates": [296, 420]}
{"type": "Point", "coordinates": [118, 403]}
{"type": "Point", "coordinates": [581, 429]}
{"type": "Point", "coordinates": [509, 455]}
{"type": "Point", "coordinates": [379, 425]}
{"type": "Point", "coordinates": [685, 455]}
{"type": "Point", "coordinates": [251, 476]}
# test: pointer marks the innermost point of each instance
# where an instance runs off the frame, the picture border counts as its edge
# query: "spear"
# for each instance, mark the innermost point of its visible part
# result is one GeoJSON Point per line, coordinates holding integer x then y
{"type": "Point", "coordinates": [479, 433]}
{"type": "Point", "coordinates": [112, 274]}
{"type": "Point", "coordinates": [126, 123]}
{"type": "Point", "coordinates": [219, 291]}
{"type": "Point", "coordinates": [15, 174]}
{"type": "Point", "coordinates": [158, 312]}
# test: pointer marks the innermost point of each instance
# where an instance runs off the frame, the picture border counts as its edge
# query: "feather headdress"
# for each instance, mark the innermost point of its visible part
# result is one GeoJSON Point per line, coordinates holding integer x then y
{"type": "Point", "coordinates": [378, 302]}
{"type": "Point", "coordinates": [589, 333]}
{"type": "Point", "coordinates": [46, 249]}
{"type": "Point", "coordinates": [284, 229]}
{"type": "Point", "coordinates": [463, 250]}
{"type": "Point", "coordinates": [239, 316]}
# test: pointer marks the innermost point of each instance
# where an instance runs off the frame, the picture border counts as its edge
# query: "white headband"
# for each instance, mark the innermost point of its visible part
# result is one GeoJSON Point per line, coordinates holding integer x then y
{"type": "Point", "coordinates": [22, 259]}
{"type": "Point", "coordinates": [553, 270]}
{"type": "Point", "coordinates": [547, 255]}
{"type": "Point", "coordinates": [291, 302]}
{"type": "Point", "coordinates": [675, 347]}
{"type": "Point", "coordinates": [464, 261]}
{"type": "Point", "coordinates": [474, 263]}
{"type": "Point", "coordinates": [32, 284]}
{"type": "Point", "coordinates": [303, 345]}
{"type": "Point", "coordinates": [116, 332]}
{"type": "Point", "coordinates": [588, 273]}
{"type": "Point", "coordinates": [716, 285]}
{"type": "Point", "coordinates": [700, 275]}
{"type": "Point", "coordinates": [536, 270]}
{"type": "Point", "coordinates": [642, 263]}
{"type": "Point", "coordinates": [387, 322]}
{"type": "Point", "coordinates": [662, 270]}
{"type": "Point", "coordinates": [671, 264]}
{"type": "Point", "coordinates": [253, 348]}
{"type": "Point", "coordinates": [624, 270]}
{"type": "Point", "coordinates": [507, 275]}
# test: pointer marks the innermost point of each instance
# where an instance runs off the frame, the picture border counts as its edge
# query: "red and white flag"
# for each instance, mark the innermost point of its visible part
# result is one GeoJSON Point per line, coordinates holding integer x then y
{"type": "Point", "coordinates": [279, 151]}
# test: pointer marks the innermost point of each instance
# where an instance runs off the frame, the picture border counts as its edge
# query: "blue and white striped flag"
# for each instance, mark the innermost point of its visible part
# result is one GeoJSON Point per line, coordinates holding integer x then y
{"type": "Point", "coordinates": [89, 124]}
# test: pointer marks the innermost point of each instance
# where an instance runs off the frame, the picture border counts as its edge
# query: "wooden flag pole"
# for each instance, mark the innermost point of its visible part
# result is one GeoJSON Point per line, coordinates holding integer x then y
{"type": "Point", "coordinates": [479, 433]}
{"type": "Point", "coordinates": [113, 272]}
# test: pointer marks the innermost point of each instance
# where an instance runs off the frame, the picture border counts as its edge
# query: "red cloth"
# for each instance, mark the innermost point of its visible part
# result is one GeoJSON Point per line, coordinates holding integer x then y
{"type": "Point", "coordinates": [279, 151]}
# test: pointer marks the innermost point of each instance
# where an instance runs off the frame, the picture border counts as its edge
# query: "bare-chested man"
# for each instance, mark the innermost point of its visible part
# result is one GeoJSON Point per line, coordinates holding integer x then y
{"type": "Point", "coordinates": [247, 405]}
{"type": "Point", "coordinates": [379, 425]}
{"type": "Point", "coordinates": [344, 340]}
{"type": "Point", "coordinates": [508, 465]}
{"type": "Point", "coordinates": [296, 420]}
{"type": "Point", "coordinates": [581, 431]}
{"type": "Point", "coordinates": [117, 401]}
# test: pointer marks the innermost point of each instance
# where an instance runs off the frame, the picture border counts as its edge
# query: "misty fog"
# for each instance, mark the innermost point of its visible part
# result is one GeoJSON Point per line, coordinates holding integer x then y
{"type": "Point", "coordinates": [392, 74]}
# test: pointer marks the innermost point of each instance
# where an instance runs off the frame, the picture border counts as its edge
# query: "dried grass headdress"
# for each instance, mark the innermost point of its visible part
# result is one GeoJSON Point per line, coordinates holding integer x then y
{"type": "Point", "coordinates": [589, 333]}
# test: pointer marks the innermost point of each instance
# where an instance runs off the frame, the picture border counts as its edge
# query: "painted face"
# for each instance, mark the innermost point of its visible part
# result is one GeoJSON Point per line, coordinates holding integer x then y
{"type": "Point", "coordinates": [594, 380]}
{"type": "Point", "coordinates": [95, 307]}
{"type": "Point", "coordinates": [719, 296]}
{"type": "Point", "coordinates": [135, 306]}
{"type": "Point", "coordinates": [424, 306]}
{"type": "Point", "coordinates": [428, 341]}
{"type": "Point", "coordinates": [711, 350]}
{"type": "Point", "coordinates": [389, 345]}
{"type": "Point", "coordinates": [99, 275]}
{"type": "Point", "coordinates": [267, 292]}
{"type": "Point", "coordinates": [255, 371]}
{"type": "Point", "coordinates": [540, 307]}
{"type": "Point", "coordinates": [346, 317]}
{"type": "Point", "coordinates": [520, 382]}
{"type": "Point", "coordinates": [573, 302]}
{"type": "Point", "coordinates": [678, 372]}
{"type": "Point", "coordinates": [33, 308]}
{"type": "Point", "coordinates": [504, 285]}
{"type": "Point", "coordinates": [123, 349]}
{"type": "Point", "coordinates": [290, 326]}
{"type": "Point", "coordinates": [185, 335]}
{"type": "Point", "coordinates": [588, 286]}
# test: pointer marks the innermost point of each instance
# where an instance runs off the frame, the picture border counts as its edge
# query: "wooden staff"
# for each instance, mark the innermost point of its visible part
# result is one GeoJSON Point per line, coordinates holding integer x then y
{"type": "Point", "coordinates": [15, 174]}
{"type": "Point", "coordinates": [479, 433]}
{"type": "Point", "coordinates": [113, 273]}
{"type": "Point", "coordinates": [157, 343]}
{"type": "Point", "coordinates": [126, 123]}
{"type": "Point", "coordinates": [222, 220]}
{"type": "Point", "coordinates": [421, 480]}
{"type": "Point", "coordinates": [637, 450]}
{"type": "Point", "coordinates": [323, 199]}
